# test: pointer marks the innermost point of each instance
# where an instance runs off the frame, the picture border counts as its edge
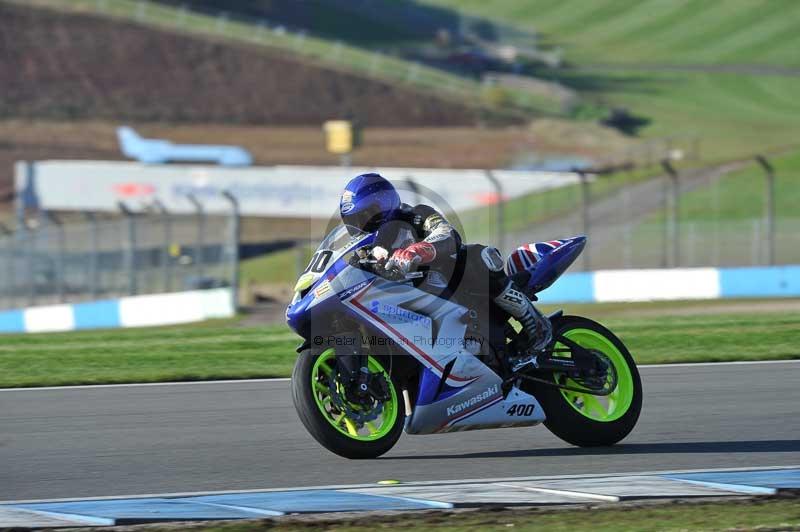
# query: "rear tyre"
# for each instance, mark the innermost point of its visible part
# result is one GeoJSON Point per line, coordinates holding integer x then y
{"type": "Point", "coordinates": [588, 420]}
{"type": "Point", "coordinates": [314, 399]}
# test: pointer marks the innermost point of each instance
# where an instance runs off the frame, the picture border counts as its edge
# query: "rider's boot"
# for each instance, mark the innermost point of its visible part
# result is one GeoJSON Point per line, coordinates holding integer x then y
{"type": "Point", "coordinates": [536, 328]}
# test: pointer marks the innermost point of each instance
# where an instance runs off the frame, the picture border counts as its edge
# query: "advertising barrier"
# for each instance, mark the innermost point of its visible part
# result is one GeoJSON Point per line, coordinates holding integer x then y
{"type": "Point", "coordinates": [275, 191]}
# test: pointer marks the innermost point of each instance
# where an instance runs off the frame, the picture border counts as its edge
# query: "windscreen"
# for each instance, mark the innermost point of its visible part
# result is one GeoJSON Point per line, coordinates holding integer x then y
{"type": "Point", "coordinates": [338, 241]}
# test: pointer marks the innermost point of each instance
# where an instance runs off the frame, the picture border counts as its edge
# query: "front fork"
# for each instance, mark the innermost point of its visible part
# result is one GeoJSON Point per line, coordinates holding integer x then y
{"type": "Point", "coordinates": [351, 364]}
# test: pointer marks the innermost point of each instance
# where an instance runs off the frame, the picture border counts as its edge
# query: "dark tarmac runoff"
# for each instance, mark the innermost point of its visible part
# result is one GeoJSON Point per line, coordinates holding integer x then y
{"type": "Point", "coordinates": [149, 439]}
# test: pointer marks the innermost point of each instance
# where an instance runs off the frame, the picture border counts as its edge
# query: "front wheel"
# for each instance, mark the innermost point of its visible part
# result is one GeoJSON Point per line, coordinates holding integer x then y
{"type": "Point", "coordinates": [584, 419]}
{"type": "Point", "coordinates": [349, 430]}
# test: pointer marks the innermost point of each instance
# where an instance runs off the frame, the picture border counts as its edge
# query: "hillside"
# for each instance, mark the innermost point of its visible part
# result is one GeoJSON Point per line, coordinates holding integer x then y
{"type": "Point", "coordinates": [649, 32]}
{"type": "Point", "coordinates": [61, 66]}
{"type": "Point", "coordinates": [723, 73]}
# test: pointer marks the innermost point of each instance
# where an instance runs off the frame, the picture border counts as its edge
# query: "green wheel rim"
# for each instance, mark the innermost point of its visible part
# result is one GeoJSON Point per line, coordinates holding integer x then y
{"type": "Point", "coordinates": [322, 372]}
{"type": "Point", "coordinates": [601, 408]}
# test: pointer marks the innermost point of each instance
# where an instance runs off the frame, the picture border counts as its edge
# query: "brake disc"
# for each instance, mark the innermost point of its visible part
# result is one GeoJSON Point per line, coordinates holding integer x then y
{"type": "Point", "coordinates": [360, 417]}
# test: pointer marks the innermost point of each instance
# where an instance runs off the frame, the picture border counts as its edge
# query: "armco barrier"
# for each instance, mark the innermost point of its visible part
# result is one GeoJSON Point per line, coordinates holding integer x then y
{"type": "Point", "coordinates": [136, 311]}
{"type": "Point", "coordinates": [674, 284]}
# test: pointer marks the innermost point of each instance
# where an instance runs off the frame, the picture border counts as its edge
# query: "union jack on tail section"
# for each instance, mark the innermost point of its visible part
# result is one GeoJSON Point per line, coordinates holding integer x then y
{"type": "Point", "coordinates": [525, 257]}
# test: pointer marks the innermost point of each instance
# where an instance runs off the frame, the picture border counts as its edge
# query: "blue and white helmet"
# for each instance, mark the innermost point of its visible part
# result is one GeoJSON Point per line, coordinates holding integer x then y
{"type": "Point", "coordinates": [368, 200]}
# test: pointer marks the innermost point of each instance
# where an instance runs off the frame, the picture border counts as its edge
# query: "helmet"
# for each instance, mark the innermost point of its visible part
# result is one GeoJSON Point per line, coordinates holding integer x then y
{"type": "Point", "coordinates": [368, 200]}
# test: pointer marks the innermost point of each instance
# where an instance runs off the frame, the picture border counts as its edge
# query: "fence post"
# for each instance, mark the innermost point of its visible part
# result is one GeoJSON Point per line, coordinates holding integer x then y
{"type": "Point", "coordinates": [130, 248]}
{"type": "Point", "coordinates": [10, 277]}
{"type": "Point", "coordinates": [53, 221]}
{"type": "Point", "coordinates": [673, 216]}
{"type": "Point", "coordinates": [94, 243]}
{"type": "Point", "coordinates": [501, 216]}
{"type": "Point", "coordinates": [234, 236]}
{"type": "Point", "coordinates": [24, 174]}
{"type": "Point", "coordinates": [29, 235]}
{"type": "Point", "coordinates": [755, 250]}
{"type": "Point", "coordinates": [586, 225]}
{"type": "Point", "coordinates": [769, 171]}
{"type": "Point", "coordinates": [166, 263]}
{"type": "Point", "coordinates": [201, 234]}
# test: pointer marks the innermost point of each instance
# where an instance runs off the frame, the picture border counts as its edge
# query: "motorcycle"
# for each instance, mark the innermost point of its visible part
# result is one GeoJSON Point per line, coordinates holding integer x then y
{"type": "Point", "coordinates": [438, 364]}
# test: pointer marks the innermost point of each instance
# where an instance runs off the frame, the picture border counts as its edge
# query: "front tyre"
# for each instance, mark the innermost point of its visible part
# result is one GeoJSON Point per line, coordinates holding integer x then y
{"type": "Point", "coordinates": [589, 420]}
{"type": "Point", "coordinates": [318, 401]}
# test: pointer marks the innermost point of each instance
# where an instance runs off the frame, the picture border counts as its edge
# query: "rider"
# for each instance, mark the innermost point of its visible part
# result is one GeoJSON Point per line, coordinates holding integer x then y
{"type": "Point", "coordinates": [420, 235]}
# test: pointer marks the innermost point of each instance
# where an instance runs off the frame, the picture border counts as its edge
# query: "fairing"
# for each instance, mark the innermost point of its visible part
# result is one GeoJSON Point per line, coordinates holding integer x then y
{"type": "Point", "coordinates": [457, 391]}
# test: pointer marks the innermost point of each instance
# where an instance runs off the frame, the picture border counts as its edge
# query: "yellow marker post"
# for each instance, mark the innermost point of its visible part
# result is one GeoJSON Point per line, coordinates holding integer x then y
{"type": "Point", "coordinates": [339, 138]}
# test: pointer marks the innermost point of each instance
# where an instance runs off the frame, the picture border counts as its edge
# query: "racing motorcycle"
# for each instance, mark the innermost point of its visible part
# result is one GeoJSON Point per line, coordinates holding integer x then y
{"type": "Point", "coordinates": [433, 364]}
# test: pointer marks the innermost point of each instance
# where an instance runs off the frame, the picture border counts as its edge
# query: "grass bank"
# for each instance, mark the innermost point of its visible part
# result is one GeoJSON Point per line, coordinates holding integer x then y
{"type": "Point", "coordinates": [722, 72]}
{"type": "Point", "coordinates": [222, 349]}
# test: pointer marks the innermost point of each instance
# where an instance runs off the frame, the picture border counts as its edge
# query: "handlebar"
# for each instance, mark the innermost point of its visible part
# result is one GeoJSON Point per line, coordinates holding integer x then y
{"type": "Point", "coordinates": [376, 267]}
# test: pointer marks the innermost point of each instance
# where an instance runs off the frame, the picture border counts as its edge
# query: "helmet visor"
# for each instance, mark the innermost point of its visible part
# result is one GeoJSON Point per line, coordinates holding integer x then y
{"type": "Point", "coordinates": [367, 220]}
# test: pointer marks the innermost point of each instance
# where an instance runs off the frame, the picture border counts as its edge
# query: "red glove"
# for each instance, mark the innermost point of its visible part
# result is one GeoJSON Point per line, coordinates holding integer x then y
{"type": "Point", "coordinates": [407, 258]}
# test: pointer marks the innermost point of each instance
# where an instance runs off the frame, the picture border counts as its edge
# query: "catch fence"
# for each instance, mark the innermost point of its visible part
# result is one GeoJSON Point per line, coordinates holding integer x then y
{"type": "Point", "coordinates": [56, 258]}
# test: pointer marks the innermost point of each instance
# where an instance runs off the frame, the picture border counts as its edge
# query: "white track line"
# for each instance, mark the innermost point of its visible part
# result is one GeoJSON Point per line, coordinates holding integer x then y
{"type": "Point", "coordinates": [287, 379]}
{"type": "Point", "coordinates": [138, 384]}
{"type": "Point", "coordinates": [733, 363]}
{"type": "Point", "coordinates": [564, 493]}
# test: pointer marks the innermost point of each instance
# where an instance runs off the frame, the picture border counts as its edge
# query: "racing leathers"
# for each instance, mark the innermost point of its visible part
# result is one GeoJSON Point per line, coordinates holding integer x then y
{"type": "Point", "coordinates": [420, 236]}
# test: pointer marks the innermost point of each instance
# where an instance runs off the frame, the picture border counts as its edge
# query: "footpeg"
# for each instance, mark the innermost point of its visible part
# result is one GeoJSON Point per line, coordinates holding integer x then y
{"type": "Point", "coordinates": [531, 360]}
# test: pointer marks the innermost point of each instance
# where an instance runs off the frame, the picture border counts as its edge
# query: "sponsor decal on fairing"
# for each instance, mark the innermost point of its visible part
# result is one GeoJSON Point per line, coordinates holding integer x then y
{"type": "Point", "coordinates": [490, 392]}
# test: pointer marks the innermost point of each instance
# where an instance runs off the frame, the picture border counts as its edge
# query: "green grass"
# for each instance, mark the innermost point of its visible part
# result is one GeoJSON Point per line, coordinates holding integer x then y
{"type": "Point", "coordinates": [733, 114]}
{"type": "Point", "coordinates": [675, 32]}
{"type": "Point", "coordinates": [654, 332]}
{"type": "Point", "coordinates": [741, 195]}
{"type": "Point", "coordinates": [674, 339]}
{"type": "Point", "coordinates": [281, 267]}
{"type": "Point", "coordinates": [740, 515]}
{"type": "Point", "coordinates": [213, 350]}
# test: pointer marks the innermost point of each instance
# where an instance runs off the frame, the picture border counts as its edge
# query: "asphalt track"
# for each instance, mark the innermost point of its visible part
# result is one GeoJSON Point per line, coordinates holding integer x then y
{"type": "Point", "coordinates": [100, 441]}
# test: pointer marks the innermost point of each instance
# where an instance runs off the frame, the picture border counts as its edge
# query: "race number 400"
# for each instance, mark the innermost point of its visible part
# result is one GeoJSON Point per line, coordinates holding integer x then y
{"type": "Point", "coordinates": [521, 410]}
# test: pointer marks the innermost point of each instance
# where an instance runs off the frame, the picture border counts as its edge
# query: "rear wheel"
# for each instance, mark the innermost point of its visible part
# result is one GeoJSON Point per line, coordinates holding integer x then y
{"type": "Point", "coordinates": [347, 429]}
{"type": "Point", "coordinates": [585, 419]}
